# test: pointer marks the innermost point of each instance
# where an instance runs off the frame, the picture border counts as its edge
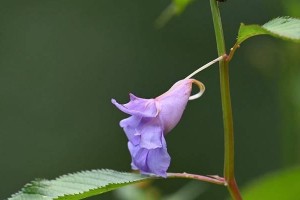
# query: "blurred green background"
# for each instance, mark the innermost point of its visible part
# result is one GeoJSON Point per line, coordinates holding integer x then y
{"type": "Point", "coordinates": [62, 61]}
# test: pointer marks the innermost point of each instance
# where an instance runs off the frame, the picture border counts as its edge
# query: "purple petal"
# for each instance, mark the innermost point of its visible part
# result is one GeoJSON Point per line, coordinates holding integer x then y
{"type": "Point", "coordinates": [158, 161]}
{"type": "Point", "coordinates": [138, 106]}
{"type": "Point", "coordinates": [172, 103]}
{"type": "Point", "coordinates": [133, 149]}
{"type": "Point", "coordinates": [132, 135]}
{"type": "Point", "coordinates": [140, 159]}
{"type": "Point", "coordinates": [130, 125]}
{"type": "Point", "coordinates": [132, 121]}
{"type": "Point", "coordinates": [151, 134]}
{"type": "Point", "coordinates": [153, 161]}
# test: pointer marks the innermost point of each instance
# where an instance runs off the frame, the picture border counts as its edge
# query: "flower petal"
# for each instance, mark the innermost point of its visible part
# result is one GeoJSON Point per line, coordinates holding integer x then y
{"type": "Point", "coordinates": [158, 161]}
{"type": "Point", "coordinates": [130, 125]}
{"type": "Point", "coordinates": [133, 149]}
{"type": "Point", "coordinates": [140, 159]}
{"type": "Point", "coordinates": [151, 134]}
{"type": "Point", "coordinates": [132, 121]}
{"type": "Point", "coordinates": [138, 106]}
{"type": "Point", "coordinates": [172, 103]}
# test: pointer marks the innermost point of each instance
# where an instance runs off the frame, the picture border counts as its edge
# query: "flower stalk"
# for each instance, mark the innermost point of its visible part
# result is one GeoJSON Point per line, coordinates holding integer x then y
{"type": "Point", "coordinates": [226, 105]}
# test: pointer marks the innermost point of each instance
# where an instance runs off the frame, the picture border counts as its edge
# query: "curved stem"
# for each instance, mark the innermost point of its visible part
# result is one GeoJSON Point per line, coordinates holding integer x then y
{"type": "Point", "coordinates": [232, 51]}
{"type": "Point", "coordinates": [226, 105]}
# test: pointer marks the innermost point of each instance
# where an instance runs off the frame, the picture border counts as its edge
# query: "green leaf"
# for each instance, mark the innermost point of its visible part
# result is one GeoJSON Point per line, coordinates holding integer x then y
{"type": "Point", "coordinates": [78, 185]}
{"type": "Point", "coordinates": [282, 185]}
{"type": "Point", "coordinates": [286, 28]}
{"type": "Point", "coordinates": [174, 9]}
{"type": "Point", "coordinates": [85, 184]}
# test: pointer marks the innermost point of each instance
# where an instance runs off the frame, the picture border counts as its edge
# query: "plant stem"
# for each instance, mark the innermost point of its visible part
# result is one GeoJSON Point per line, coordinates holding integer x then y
{"type": "Point", "coordinates": [226, 105]}
{"type": "Point", "coordinates": [210, 179]}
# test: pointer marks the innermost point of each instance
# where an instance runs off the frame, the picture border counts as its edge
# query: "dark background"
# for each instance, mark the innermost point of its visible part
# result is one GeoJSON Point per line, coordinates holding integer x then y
{"type": "Point", "coordinates": [62, 61]}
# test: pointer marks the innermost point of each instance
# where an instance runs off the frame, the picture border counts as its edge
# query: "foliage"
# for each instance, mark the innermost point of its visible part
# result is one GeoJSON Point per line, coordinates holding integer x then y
{"type": "Point", "coordinates": [78, 185]}
{"type": "Point", "coordinates": [286, 28]}
{"type": "Point", "coordinates": [276, 186]}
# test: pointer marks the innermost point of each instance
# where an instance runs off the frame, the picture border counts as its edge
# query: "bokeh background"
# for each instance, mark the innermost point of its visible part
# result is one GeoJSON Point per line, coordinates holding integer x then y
{"type": "Point", "coordinates": [62, 61]}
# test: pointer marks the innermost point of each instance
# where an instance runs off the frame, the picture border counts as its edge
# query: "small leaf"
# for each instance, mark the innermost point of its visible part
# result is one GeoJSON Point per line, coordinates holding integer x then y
{"type": "Point", "coordinates": [175, 8]}
{"type": "Point", "coordinates": [286, 28]}
{"type": "Point", "coordinates": [78, 185]}
{"type": "Point", "coordinates": [282, 185]}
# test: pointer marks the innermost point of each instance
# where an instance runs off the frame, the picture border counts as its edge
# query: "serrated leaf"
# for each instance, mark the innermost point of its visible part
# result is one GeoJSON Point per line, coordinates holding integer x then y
{"type": "Point", "coordinates": [85, 184]}
{"type": "Point", "coordinates": [78, 185]}
{"type": "Point", "coordinates": [286, 28]}
{"type": "Point", "coordinates": [281, 185]}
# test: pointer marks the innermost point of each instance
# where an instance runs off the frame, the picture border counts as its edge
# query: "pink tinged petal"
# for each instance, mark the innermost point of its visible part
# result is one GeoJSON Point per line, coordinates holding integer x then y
{"type": "Point", "coordinates": [151, 134]}
{"type": "Point", "coordinates": [172, 103]}
{"type": "Point", "coordinates": [138, 106]}
{"type": "Point", "coordinates": [158, 161]}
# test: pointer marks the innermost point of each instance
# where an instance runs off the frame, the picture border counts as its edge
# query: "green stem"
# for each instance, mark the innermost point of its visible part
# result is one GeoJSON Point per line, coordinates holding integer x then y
{"type": "Point", "coordinates": [226, 105]}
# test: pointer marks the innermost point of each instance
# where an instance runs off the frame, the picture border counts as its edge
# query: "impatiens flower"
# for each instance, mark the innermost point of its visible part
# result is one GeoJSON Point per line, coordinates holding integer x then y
{"type": "Point", "coordinates": [150, 121]}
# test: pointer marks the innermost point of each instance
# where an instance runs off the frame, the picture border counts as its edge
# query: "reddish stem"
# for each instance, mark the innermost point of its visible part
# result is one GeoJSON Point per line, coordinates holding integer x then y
{"type": "Point", "coordinates": [210, 179]}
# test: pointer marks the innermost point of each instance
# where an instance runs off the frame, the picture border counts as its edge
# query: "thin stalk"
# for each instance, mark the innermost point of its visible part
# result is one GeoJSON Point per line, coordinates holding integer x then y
{"type": "Point", "coordinates": [210, 179]}
{"type": "Point", "coordinates": [226, 105]}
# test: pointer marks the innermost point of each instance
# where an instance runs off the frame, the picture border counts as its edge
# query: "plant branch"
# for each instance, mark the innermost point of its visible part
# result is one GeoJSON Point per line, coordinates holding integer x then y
{"type": "Point", "coordinates": [232, 51]}
{"type": "Point", "coordinates": [226, 105]}
{"type": "Point", "coordinates": [211, 179]}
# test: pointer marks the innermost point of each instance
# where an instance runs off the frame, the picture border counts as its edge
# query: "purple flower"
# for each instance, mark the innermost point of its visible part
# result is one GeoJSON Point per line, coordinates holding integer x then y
{"type": "Point", "coordinates": [149, 122]}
